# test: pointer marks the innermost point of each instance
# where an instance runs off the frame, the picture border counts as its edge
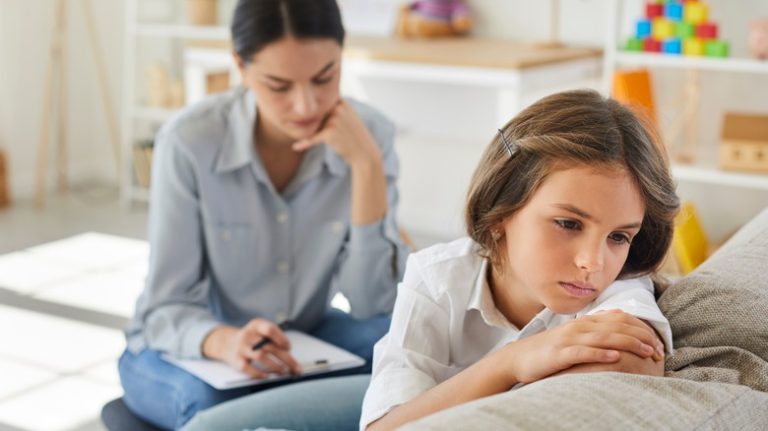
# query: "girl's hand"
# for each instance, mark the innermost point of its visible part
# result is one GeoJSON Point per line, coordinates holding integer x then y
{"type": "Point", "coordinates": [589, 339]}
{"type": "Point", "coordinates": [234, 346]}
{"type": "Point", "coordinates": [346, 134]}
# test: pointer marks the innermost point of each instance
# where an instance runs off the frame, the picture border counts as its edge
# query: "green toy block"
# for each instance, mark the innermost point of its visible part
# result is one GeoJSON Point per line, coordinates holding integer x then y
{"type": "Point", "coordinates": [685, 30]}
{"type": "Point", "coordinates": [634, 44]}
{"type": "Point", "coordinates": [716, 48]}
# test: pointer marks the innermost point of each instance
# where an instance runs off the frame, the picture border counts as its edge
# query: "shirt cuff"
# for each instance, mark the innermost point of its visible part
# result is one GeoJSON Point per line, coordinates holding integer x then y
{"type": "Point", "coordinates": [363, 237]}
{"type": "Point", "coordinates": [391, 389]}
{"type": "Point", "coordinates": [192, 341]}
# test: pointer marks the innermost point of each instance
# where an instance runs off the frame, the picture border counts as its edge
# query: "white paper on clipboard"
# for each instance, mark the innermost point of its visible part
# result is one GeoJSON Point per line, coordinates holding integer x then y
{"type": "Point", "coordinates": [315, 356]}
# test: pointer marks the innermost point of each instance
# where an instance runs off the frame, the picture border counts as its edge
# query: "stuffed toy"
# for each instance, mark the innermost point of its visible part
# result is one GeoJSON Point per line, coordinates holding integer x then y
{"type": "Point", "coordinates": [758, 39]}
{"type": "Point", "coordinates": [433, 18]}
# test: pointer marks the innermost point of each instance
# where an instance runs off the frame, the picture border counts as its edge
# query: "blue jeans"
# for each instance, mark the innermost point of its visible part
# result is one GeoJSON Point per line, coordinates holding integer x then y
{"type": "Point", "coordinates": [168, 397]}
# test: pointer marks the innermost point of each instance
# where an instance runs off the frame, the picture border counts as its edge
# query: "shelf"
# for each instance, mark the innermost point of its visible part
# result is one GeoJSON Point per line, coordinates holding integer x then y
{"type": "Point", "coordinates": [739, 65]}
{"type": "Point", "coordinates": [183, 31]}
{"type": "Point", "coordinates": [718, 177]}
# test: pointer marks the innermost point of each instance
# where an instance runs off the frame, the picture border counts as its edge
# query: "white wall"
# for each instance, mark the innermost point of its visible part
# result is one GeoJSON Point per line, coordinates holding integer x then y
{"type": "Point", "coordinates": [25, 31]}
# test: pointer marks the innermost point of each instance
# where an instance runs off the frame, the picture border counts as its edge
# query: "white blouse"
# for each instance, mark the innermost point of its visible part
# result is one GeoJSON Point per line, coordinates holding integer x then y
{"type": "Point", "coordinates": [445, 320]}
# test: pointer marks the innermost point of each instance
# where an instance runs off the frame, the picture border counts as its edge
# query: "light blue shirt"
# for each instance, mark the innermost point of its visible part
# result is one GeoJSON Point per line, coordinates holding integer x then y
{"type": "Point", "coordinates": [226, 247]}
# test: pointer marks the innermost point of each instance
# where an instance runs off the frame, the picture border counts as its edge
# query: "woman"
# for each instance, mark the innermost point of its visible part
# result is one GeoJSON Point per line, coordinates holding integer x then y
{"type": "Point", "coordinates": [266, 201]}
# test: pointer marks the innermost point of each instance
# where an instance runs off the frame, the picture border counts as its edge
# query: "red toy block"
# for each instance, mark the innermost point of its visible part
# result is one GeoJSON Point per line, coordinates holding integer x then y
{"type": "Point", "coordinates": [707, 30]}
{"type": "Point", "coordinates": [651, 45]}
{"type": "Point", "coordinates": [654, 10]}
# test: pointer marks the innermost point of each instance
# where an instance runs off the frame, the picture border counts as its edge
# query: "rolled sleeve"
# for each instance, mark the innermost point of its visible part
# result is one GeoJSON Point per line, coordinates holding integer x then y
{"type": "Point", "coordinates": [635, 297]}
{"type": "Point", "coordinates": [414, 356]}
{"type": "Point", "coordinates": [373, 260]}
{"type": "Point", "coordinates": [172, 314]}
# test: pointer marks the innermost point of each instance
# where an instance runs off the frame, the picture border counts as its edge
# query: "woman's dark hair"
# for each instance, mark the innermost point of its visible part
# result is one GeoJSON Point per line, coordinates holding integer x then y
{"type": "Point", "coordinates": [575, 128]}
{"type": "Point", "coordinates": [256, 23]}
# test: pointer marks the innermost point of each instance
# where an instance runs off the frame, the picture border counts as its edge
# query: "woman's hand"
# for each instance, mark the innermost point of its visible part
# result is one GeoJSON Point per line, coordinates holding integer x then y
{"type": "Point", "coordinates": [234, 346]}
{"type": "Point", "coordinates": [596, 339]}
{"type": "Point", "coordinates": [347, 135]}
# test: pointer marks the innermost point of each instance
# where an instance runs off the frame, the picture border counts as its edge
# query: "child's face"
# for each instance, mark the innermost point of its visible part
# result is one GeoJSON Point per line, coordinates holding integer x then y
{"type": "Point", "coordinates": [570, 241]}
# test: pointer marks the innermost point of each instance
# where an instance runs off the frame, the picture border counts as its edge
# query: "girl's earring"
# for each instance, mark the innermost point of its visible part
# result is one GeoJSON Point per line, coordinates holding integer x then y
{"type": "Point", "coordinates": [496, 234]}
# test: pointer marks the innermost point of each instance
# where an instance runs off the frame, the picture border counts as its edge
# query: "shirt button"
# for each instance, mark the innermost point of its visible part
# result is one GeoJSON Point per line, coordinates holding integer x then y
{"type": "Point", "coordinates": [226, 236]}
{"type": "Point", "coordinates": [281, 317]}
{"type": "Point", "coordinates": [282, 267]}
{"type": "Point", "coordinates": [282, 218]}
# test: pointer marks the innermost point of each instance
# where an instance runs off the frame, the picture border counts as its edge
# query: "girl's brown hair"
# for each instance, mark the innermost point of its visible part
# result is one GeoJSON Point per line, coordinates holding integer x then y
{"type": "Point", "coordinates": [565, 130]}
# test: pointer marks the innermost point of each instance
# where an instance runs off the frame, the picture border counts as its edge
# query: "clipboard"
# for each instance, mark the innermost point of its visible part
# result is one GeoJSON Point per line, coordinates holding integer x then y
{"type": "Point", "coordinates": [315, 356]}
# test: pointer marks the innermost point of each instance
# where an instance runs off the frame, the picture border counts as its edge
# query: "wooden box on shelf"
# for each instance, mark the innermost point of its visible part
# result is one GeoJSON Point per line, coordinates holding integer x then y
{"type": "Point", "coordinates": [142, 163]}
{"type": "Point", "coordinates": [202, 12]}
{"type": "Point", "coordinates": [744, 143]}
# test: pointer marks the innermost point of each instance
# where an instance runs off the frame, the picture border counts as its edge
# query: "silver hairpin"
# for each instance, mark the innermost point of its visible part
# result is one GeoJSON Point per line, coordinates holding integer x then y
{"type": "Point", "coordinates": [506, 143]}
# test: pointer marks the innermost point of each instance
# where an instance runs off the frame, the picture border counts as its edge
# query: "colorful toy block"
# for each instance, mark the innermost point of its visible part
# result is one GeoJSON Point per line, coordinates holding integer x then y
{"type": "Point", "coordinates": [643, 28]}
{"type": "Point", "coordinates": [693, 47]}
{"type": "Point", "coordinates": [716, 48]}
{"type": "Point", "coordinates": [695, 12]}
{"type": "Point", "coordinates": [673, 11]}
{"type": "Point", "coordinates": [662, 28]}
{"type": "Point", "coordinates": [671, 46]}
{"type": "Point", "coordinates": [707, 30]}
{"type": "Point", "coordinates": [677, 27]}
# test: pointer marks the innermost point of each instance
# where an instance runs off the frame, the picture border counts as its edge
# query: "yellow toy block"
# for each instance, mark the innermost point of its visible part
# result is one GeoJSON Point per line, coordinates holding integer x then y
{"type": "Point", "coordinates": [693, 46]}
{"type": "Point", "coordinates": [695, 12]}
{"type": "Point", "coordinates": [689, 243]}
{"type": "Point", "coordinates": [662, 28]}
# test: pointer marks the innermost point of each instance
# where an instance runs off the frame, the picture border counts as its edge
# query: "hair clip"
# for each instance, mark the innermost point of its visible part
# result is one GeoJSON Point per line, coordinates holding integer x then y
{"type": "Point", "coordinates": [506, 143]}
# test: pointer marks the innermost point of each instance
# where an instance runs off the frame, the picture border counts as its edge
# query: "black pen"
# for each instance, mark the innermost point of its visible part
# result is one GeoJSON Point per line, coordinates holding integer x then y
{"type": "Point", "coordinates": [266, 340]}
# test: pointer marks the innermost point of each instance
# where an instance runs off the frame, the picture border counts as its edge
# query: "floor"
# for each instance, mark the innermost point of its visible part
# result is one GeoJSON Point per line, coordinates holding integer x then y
{"type": "Point", "coordinates": [63, 304]}
{"type": "Point", "coordinates": [69, 276]}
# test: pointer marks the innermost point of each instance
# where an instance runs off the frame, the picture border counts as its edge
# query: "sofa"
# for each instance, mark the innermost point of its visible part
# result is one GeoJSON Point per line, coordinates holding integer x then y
{"type": "Point", "coordinates": [716, 379]}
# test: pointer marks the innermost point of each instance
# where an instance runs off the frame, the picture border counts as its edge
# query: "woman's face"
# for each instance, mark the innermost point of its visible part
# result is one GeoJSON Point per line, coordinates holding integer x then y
{"type": "Point", "coordinates": [296, 83]}
{"type": "Point", "coordinates": [570, 241]}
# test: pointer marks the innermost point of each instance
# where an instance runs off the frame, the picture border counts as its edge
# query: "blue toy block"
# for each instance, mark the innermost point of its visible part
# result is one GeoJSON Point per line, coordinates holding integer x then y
{"type": "Point", "coordinates": [673, 11]}
{"type": "Point", "coordinates": [643, 28]}
{"type": "Point", "coordinates": [671, 46]}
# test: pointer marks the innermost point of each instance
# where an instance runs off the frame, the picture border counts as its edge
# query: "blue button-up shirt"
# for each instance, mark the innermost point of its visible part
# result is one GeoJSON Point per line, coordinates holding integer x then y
{"type": "Point", "coordinates": [226, 247]}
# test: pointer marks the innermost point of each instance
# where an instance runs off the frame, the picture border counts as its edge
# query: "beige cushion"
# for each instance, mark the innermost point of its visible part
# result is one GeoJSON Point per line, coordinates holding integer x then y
{"type": "Point", "coordinates": [719, 313]}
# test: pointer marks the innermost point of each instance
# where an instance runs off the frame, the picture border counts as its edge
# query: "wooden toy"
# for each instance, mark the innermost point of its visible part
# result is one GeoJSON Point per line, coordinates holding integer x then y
{"type": "Point", "coordinates": [643, 28]}
{"type": "Point", "coordinates": [634, 44]}
{"type": "Point", "coordinates": [685, 30]}
{"type": "Point", "coordinates": [651, 45]}
{"type": "Point", "coordinates": [654, 10]}
{"type": "Point", "coordinates": [744, 142]}
{"type": "Point", "coordinates": [202, 12]}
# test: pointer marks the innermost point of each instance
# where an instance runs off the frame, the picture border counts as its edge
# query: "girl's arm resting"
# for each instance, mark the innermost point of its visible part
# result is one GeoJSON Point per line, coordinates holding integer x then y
{"type": "Point", "coordinates": [627, 363]}
{"type": "Point", "coordinates": [486, 377]}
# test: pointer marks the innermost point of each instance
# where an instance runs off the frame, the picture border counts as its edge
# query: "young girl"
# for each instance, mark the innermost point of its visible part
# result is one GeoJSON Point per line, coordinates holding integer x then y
{"type": "Point", "coordinates": [266, 200]}
{"type": "Point", "coordinates": [571, 207]}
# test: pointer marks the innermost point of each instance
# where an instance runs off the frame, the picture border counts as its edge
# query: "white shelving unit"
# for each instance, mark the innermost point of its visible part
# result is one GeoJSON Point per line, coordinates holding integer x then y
{"type": "Point", "coordinates": [614, 58]}
{"type": "Point", "coordinates": [134, 112]}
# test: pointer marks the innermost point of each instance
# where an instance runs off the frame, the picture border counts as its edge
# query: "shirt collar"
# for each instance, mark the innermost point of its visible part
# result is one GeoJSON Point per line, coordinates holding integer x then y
{"type": "Point", "coordinates": [238, 150]}
{"type": "Point", "coordinates": [481, 300]}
